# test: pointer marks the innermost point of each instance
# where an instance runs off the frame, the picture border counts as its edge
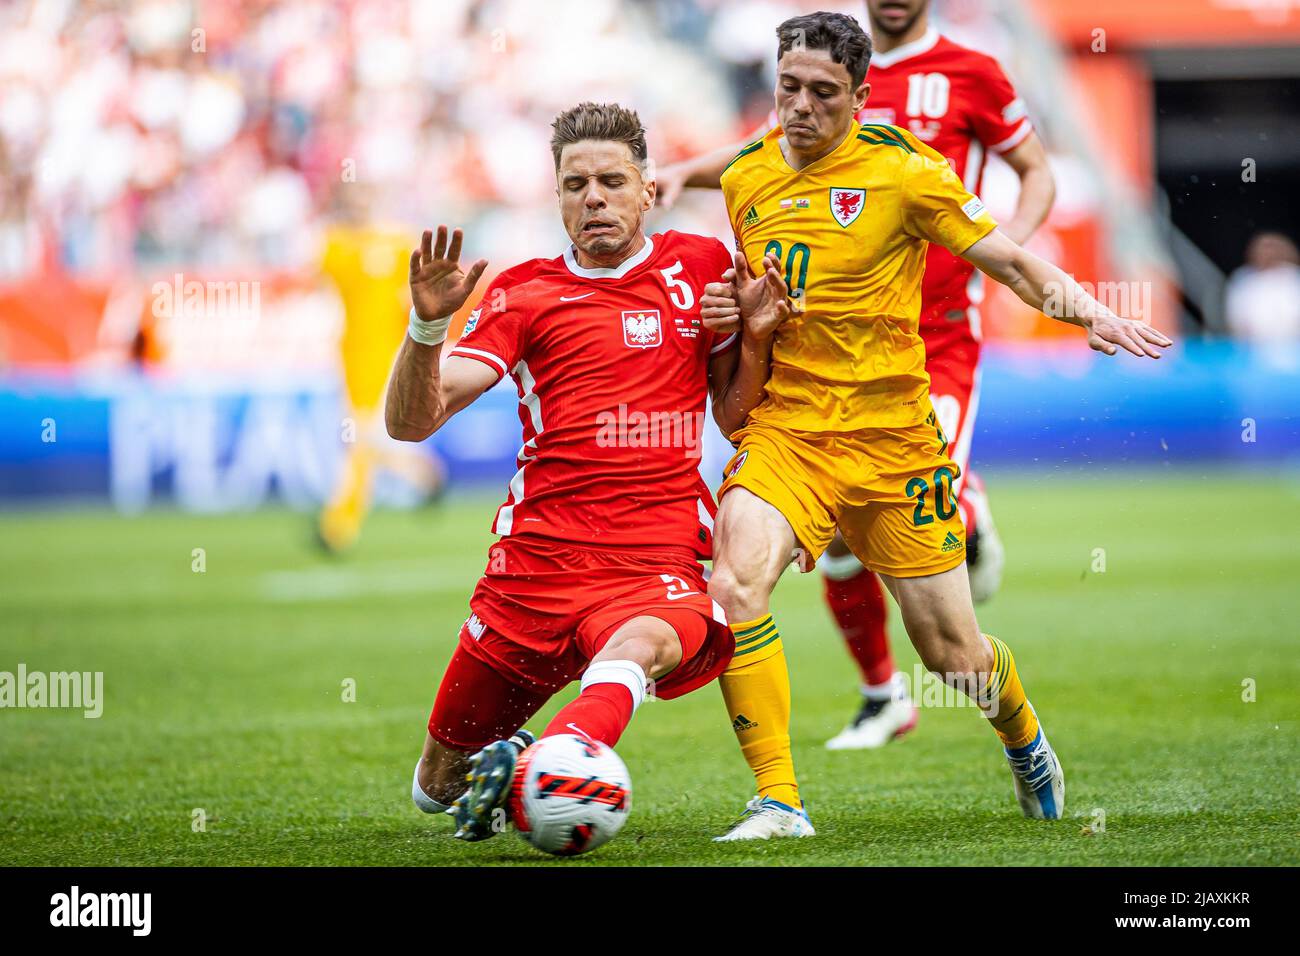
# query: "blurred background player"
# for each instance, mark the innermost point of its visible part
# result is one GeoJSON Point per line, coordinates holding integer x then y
{"type": "Point", "coordinates": [1262, 297]}
{"type": "Point", "coordinates": [367, 262]}
{"type": "Point", "coordinates": [958, 102]}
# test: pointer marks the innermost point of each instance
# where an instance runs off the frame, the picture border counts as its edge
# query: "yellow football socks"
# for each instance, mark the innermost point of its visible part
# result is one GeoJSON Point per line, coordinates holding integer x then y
{"type": "Point", "coordinates": [1004, 702]}
{"type": "Point", "coordinates": [756, 689]}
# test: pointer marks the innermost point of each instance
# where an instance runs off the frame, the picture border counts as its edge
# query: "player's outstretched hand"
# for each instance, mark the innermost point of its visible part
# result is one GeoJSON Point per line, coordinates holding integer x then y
{"type": "Point", "coordinates": [765, 299]}
{"type": "Point", "coordinates": [759, 303]}
{"type": "Point", "coordinates": [1108, 333]}
{"type": "Point", "coordinates": [438, 286]}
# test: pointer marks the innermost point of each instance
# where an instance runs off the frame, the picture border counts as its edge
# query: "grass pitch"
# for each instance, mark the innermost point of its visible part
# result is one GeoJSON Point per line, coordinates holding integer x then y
{"type": "Point", "coordinates": [224, 694]}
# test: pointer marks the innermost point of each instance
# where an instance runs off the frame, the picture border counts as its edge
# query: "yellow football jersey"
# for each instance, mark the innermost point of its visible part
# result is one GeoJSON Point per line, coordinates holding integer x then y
{"type": "Point", "coordinates": [850, 231]}
{"type": "Point", "coordinates": [370, 267]}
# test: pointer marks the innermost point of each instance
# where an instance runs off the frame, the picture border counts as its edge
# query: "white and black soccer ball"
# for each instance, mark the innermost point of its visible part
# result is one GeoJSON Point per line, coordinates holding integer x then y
{"type": "Point", "coordinates": [569, 794]}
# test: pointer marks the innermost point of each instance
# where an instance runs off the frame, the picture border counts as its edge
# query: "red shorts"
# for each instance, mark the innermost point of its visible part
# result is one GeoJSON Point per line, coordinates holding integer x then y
{"type": "Point", "coordinates": [953, 365]}
{"type": "Point", "coordinates": [544, 608]}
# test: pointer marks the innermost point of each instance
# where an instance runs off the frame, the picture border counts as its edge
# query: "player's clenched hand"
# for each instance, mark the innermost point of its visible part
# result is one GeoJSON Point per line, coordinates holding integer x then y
{"type": "Point", "coordinates": [719, 306]}
{"type": "Point", "coordinates": [438, 286]}
{"type": "Point", "coordinates": [1108, 333]}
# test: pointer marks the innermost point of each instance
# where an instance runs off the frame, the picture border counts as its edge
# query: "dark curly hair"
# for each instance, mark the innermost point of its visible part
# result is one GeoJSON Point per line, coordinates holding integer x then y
{"type": "Point", "coordinates": [837, 33]}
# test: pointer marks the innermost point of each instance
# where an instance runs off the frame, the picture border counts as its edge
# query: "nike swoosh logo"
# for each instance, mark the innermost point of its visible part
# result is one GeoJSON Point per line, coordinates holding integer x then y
{"type": "Point", "coordinates": [574, 298]}
{"type": "Point", "coordinates": [678, 595]}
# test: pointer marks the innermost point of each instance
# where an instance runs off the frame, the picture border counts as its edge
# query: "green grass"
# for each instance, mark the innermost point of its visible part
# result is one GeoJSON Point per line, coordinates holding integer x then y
{"type": "Point", "coordinates": [224, 692]}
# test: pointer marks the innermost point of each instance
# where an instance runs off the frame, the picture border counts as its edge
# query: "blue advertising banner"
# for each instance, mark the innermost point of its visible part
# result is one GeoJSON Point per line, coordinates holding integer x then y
{"type": "Point", "coordinates": [237, 443]}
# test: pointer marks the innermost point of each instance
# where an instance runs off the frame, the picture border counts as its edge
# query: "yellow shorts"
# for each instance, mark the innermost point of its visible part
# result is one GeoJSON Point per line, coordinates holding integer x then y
{"type": "Point", "coordinates": [889, 490]}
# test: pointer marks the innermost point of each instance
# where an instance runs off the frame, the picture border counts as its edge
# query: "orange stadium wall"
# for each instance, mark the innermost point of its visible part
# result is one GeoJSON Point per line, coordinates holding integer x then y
{"type": "Point", "coordinates": [1116, 93]}
{"type": "Point", "coordinates": [269, 320]}
{"type": "Point", "coordinates": [1135, 24]}
{"type": "Point", "coordinates": [50, 320]}
{"type": "Point", "coordinates": [1119, 98]}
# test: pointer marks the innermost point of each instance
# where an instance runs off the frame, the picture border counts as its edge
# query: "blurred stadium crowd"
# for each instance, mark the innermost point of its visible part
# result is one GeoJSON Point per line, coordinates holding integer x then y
{"type": "Point", "coordinates": [140, 136]}
{"type": "Point", "coordinates": [222, 132]}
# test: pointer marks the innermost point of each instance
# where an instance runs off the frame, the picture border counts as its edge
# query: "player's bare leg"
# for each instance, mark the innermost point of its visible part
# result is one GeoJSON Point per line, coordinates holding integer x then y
{"type": "Point", "coordinates": [940, 620]}
{"type": "Point", "coordinates": [479, 811]}
{"type": "Point", "coordinates": [441, 771]}
{"type": "Point", "coordinates": [857, 600]}
{"type": "Point", "coordinates": [439, 776]}
{"type": "Point", "coordinates": [753, 545]}
{"type": "Point", "coordinates": [614, 684]}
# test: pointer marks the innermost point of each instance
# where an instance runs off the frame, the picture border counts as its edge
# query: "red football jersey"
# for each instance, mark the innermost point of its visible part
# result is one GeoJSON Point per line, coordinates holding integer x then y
{"type": "Point", "coordinates": [611, 367]}
{"type": "Point", "coordinates": [959, 102]}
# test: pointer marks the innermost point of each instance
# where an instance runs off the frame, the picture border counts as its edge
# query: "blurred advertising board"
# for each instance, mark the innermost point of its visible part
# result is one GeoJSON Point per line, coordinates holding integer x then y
{"type": "Point", "coordinates": [216, 443]}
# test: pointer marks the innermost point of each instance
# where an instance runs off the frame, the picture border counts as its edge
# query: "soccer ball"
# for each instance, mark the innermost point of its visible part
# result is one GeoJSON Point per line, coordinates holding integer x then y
{"type": "Point", "coordinates": [569, 794]}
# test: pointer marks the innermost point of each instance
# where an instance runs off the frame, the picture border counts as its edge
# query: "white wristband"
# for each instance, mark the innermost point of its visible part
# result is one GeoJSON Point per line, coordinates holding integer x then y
{"type": "Point", "coordinates": [428, 333]}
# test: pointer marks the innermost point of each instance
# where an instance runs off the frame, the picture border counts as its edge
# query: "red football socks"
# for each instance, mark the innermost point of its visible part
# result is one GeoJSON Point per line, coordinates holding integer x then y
{"type": "Point", "coordinates": [601, 712]}
{"type": "Point", "coordinates": [858, 603]}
